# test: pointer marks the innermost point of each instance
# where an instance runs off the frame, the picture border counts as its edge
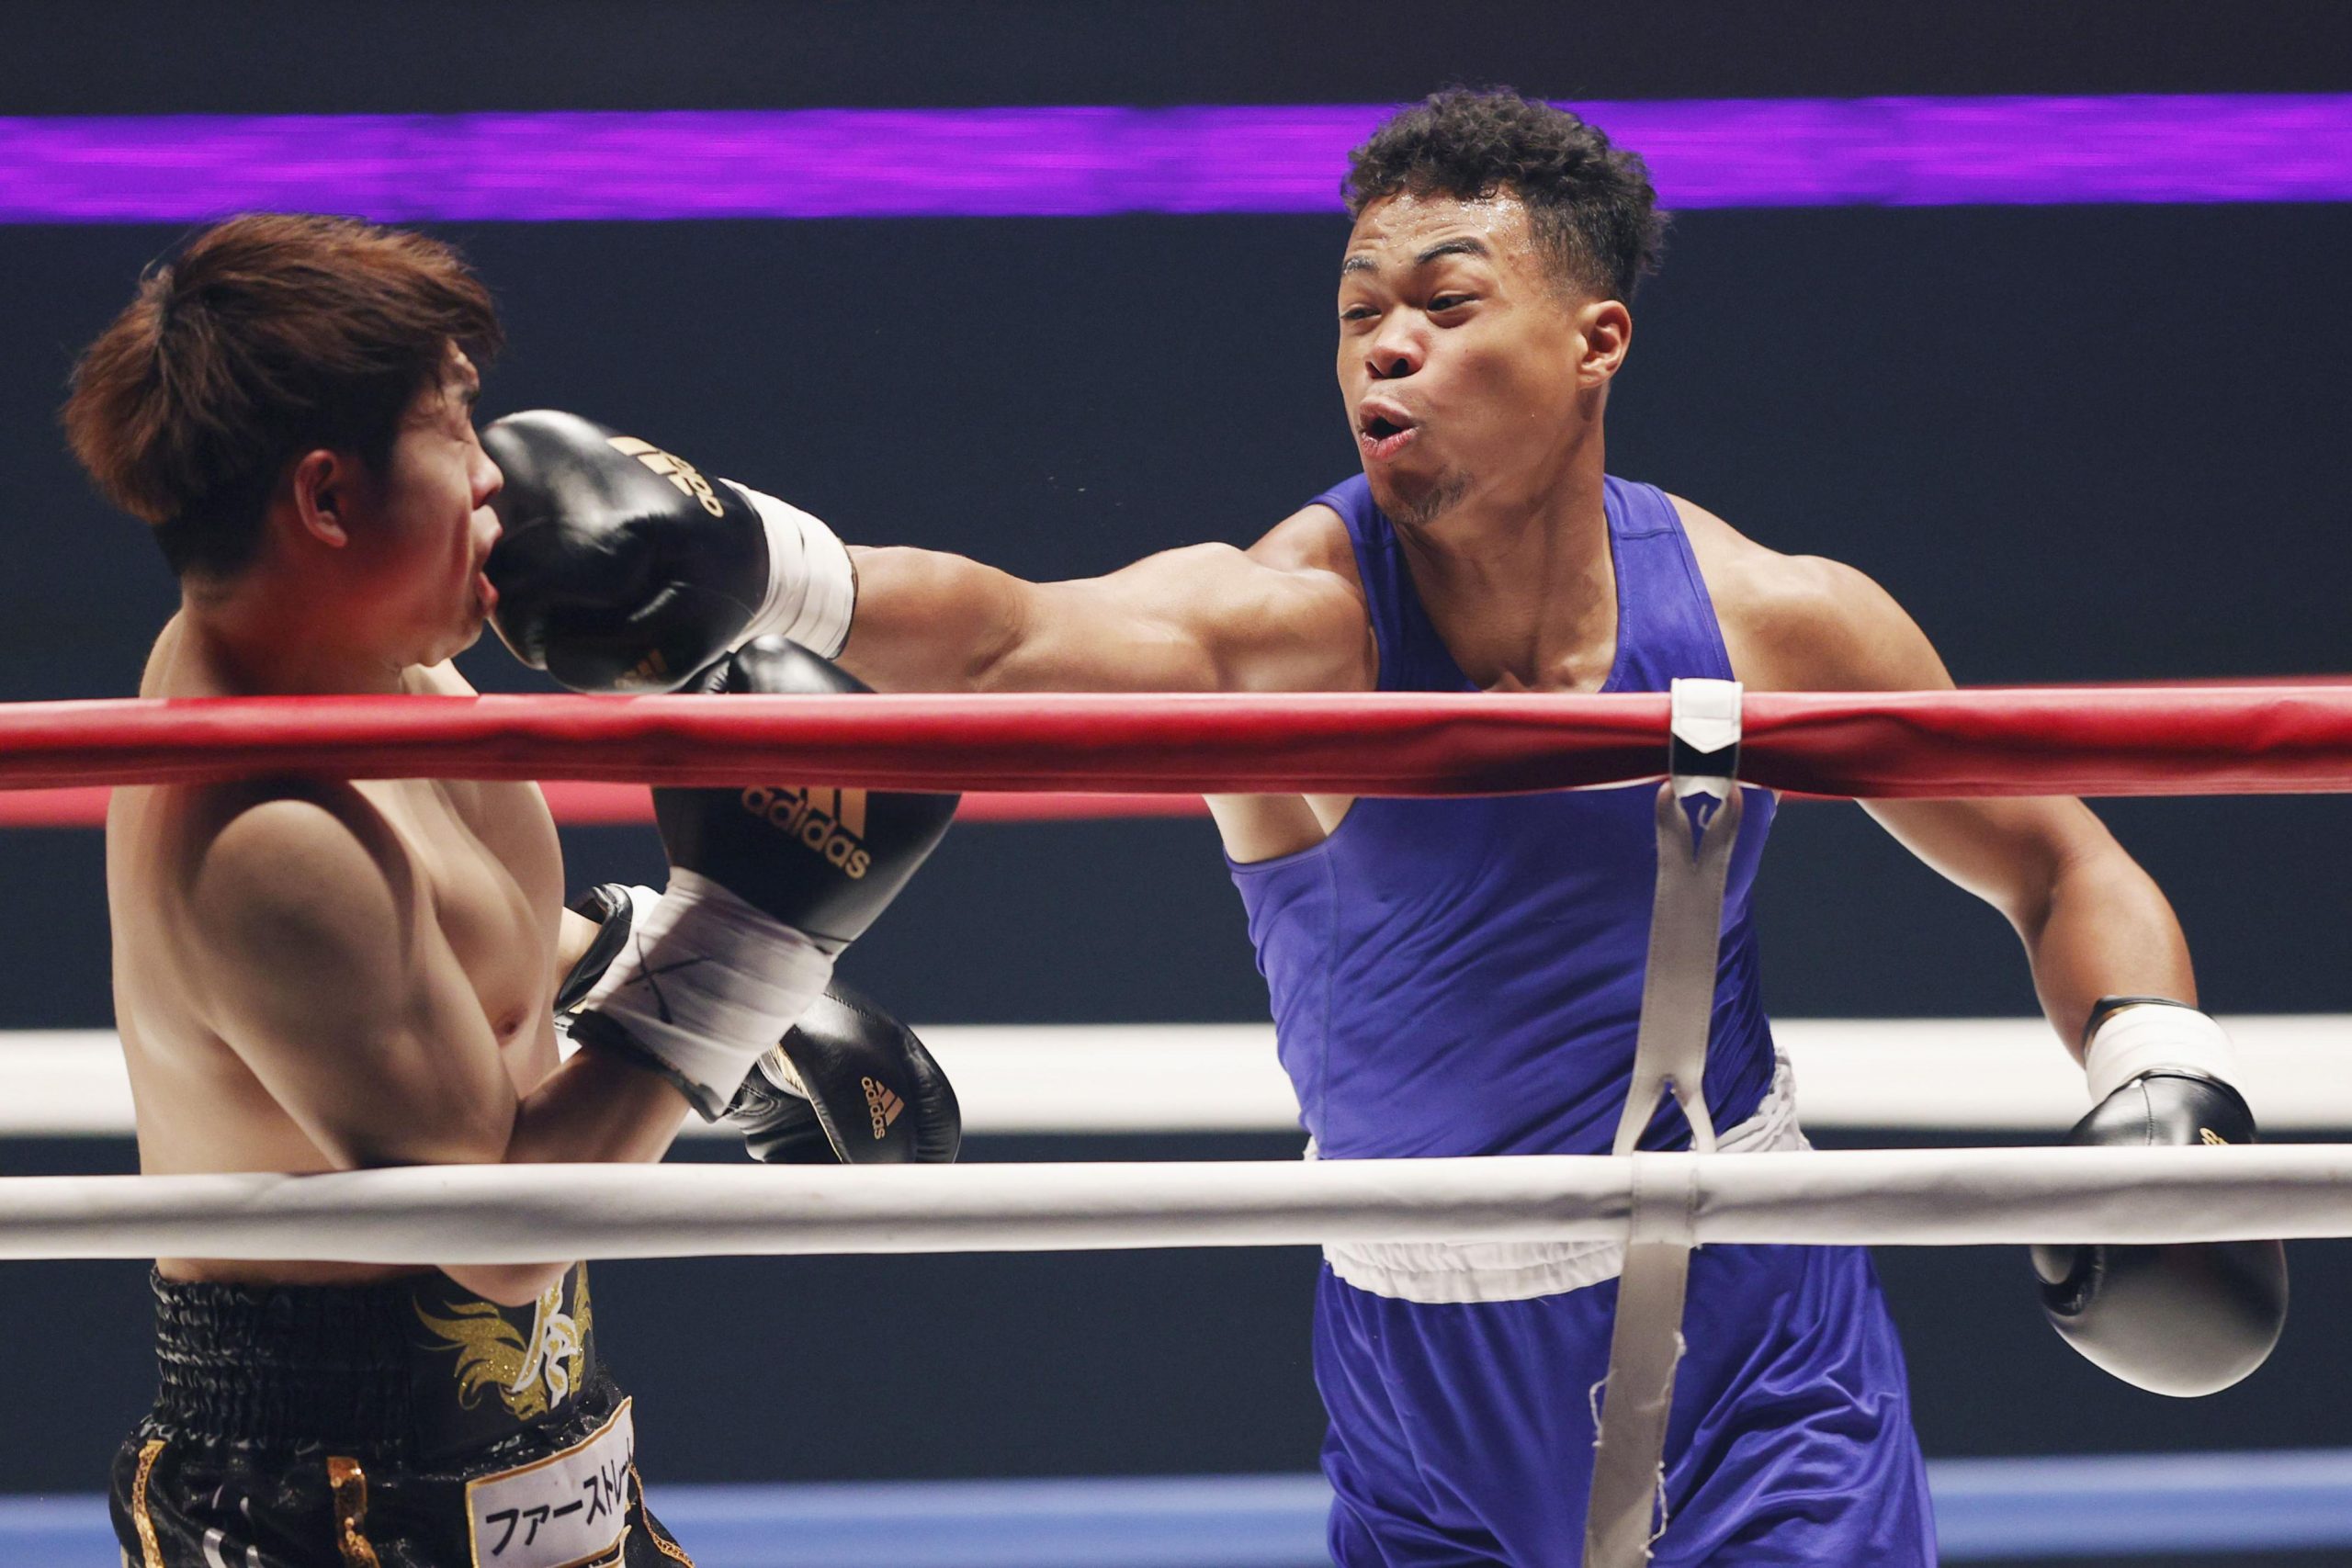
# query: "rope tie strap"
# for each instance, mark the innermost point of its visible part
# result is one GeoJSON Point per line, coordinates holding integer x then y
{"type": "Point", "coordinates": [1669, 1060]}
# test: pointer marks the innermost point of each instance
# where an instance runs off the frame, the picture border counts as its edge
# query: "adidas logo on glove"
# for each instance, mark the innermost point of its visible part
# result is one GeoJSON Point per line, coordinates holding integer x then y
{"type": "Point", "coordinates": [830, 821]}
{"type": "Point", "coordinates": [676, 470]}
{"type": "Point", "coordinates": [882, 1107]}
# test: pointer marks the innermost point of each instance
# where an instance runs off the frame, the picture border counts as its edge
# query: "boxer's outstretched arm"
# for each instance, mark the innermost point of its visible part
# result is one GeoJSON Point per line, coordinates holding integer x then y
{"type": "Point", "coordinates": [614, 576]}
{"type": "Point", "coordinates": [2094, 923]}
{"type": "Point", "coordinates": [1203, 618]}
{"type": "Point", "coordinates": [323, 971]}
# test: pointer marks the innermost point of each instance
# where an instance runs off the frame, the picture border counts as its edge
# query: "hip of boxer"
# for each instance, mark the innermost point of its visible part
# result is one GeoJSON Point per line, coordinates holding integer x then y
{"type": "Point", "coordinates": [409, 1422]}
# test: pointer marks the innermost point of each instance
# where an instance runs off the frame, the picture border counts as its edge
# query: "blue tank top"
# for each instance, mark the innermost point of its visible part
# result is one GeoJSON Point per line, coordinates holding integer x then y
{"type": "Point", "coordinates": [1465, 977]}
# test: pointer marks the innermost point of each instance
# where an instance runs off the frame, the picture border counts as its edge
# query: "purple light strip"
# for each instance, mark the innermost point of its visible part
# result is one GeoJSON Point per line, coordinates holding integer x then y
{"type": "Point", "coordinates": [1081, 162]}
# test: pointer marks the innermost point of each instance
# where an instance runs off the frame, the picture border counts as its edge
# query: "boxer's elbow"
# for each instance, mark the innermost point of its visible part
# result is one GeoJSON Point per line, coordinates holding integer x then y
{"type": "Point", "coordinates": [508, 1285]}
{"type": "Point", "coordinates": [2077, 867]}
{"type": "Point", "coordinates": [383, 1128]}
{"type": "Point", "coordinates": [482, 1139]}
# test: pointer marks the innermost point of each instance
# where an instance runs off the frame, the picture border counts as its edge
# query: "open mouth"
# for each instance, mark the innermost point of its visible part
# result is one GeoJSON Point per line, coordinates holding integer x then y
{"type": "Point", "coordinates": [1383, 431]}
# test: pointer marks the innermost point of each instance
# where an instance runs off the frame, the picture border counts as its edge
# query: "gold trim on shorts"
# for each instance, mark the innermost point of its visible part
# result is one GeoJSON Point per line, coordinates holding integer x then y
{"type": "Point", "coordinates": [348, 1483]}
{"type": "Point", "coordinates": [653, 1531]}
{"type": "Point", "coordinates": [150, 1552]}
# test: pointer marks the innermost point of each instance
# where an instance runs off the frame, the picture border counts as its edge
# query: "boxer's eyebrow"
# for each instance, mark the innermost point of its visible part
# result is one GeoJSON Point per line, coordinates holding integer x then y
{"type": "Point", "coordinates": [1464, 246]}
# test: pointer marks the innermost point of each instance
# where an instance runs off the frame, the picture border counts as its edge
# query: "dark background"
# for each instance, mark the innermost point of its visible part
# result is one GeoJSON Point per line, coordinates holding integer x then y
{"type": "Point", "coordinates": [2077, 442]}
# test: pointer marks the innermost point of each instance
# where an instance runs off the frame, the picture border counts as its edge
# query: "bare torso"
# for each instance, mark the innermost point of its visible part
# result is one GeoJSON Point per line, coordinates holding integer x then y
{"type": "Point", "coordinates": [477, 868]}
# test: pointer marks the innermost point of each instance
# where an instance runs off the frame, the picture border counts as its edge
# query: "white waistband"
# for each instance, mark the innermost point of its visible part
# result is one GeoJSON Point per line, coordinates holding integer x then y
{"type": "Point", "coordinates": [1440, 1271]}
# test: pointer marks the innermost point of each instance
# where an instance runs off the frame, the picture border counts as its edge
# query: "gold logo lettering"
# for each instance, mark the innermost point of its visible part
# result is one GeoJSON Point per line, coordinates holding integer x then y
{"type": "Point", "coordinates": [829, 822]}
{"type": "Point", "coordinates": [2208, 1136]}
{"type": "Point", "coordinates": [882, 1107]}
{"type": "Point", "coordinates": [670, 467]}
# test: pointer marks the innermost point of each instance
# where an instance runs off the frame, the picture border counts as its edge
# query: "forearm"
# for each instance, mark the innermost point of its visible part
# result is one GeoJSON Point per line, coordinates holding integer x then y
{"type": "Point", "coordinates": [929, 621]}
{"type": "Point", "coordinates": [595, 1108]}
{"type": "Point", "coordinates": [2103, 930]}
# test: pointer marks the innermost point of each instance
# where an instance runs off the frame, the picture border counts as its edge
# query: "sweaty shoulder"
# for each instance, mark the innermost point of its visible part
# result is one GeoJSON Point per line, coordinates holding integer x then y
{"type": "Point", "coordinates": [1805, 623]}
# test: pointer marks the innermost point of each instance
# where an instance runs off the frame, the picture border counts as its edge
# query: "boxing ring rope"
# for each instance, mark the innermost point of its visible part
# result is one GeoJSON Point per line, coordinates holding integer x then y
{"type": "Point", "coordinates": [425, 1214]}
{"type": "Point", "coordinates": [2126, 741]}
{"type": "Point", "coordinates": [2084, 740]}
{"type": "Point", "coordinates": [591, 803]}
{"type": "Point", "coordinates": [2141, 740]}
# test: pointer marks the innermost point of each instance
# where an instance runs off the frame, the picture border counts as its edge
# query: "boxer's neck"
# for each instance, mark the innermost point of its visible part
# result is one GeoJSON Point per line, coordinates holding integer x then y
{"type": "Point", "coordinates": [258, 639]}
{"type": "Point", "coordinates": [1518, 579]}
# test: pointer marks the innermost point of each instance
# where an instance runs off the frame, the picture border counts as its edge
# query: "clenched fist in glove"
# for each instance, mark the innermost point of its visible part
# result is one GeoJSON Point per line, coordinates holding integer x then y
{"type": "Point", "coordinates": [847, 1082]}
{"type": "Point", "coordinates": [767, 887]}
{"type": "Point", "coordinates": [2185, 1319]}
{"type": "Point", "coordinates": [622, 568]}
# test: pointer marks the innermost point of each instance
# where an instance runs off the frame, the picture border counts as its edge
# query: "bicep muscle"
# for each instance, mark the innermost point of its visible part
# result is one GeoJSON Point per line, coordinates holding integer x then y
{"type": "Point", "coordinates": [319, 970]}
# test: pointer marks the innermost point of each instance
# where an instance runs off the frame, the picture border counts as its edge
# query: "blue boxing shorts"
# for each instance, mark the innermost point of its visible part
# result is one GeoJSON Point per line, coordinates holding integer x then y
{"type": "Point", "coordinates": [1463, 1433]}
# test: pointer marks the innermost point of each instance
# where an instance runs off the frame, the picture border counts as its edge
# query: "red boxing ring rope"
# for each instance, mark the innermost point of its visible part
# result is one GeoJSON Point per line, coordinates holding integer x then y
{"type": "Point", "coordinates": [2081, 740]}
{"type": "Point", "coordinates": [583, 803]}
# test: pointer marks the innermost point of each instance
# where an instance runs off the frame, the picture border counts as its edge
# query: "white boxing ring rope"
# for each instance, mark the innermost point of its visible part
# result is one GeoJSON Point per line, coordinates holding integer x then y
{"type": "Point", "coordinates": [422, 1214]}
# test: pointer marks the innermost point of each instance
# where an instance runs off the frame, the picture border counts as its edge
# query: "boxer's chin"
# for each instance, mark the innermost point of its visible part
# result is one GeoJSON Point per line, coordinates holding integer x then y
{"type": "Point", "coordinates": [463, 634]}
{"type": "Point", "coordinates": [1418, 500]}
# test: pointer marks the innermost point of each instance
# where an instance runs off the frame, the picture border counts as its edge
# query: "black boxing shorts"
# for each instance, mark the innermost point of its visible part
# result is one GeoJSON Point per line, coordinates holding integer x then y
{"type": "Point", "coordinates": [405, 1425]}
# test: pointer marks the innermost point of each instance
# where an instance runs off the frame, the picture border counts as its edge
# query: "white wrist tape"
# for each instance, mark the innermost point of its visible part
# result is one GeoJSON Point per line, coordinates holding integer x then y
{"type": "Point", "coordinates": [641, 900]}
{"type": "Point", "coordinates": [2147, 1035]}
{"type": "Point", "coordinates": [707, 984]}
{"type": "Point", "coordinates": [813, 589]}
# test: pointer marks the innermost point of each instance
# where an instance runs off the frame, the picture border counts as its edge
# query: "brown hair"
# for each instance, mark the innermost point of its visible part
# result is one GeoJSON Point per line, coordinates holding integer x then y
{"type": "Point", "coordinates": [267, 337]}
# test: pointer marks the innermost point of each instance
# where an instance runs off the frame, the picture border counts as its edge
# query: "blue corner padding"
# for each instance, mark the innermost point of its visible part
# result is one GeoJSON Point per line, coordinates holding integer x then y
{"type": "Point", "coordinates": [1987, 1510]}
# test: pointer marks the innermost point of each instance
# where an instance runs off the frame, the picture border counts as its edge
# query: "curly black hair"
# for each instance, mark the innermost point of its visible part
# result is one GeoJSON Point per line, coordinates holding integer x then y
{"type": "Point", "coordinates": [1590, 203]}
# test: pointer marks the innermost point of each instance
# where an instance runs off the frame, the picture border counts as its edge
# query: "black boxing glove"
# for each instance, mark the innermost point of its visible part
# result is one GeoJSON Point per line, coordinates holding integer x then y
{"type": "Point", "coordinates": [2186, 1319]}
{"type": "Point", "coordinates": [695, 984]}
{"type": "Point", "coordinates": [620, 567]}
{"type": "Point", "coordinates": [612, 907]}
{"type": "Point", "coordinates": [767, 886]}
{"type": "Point", "coordinates": [850, 1083]}
{"type": "Point", "coordinates": [827, 860]}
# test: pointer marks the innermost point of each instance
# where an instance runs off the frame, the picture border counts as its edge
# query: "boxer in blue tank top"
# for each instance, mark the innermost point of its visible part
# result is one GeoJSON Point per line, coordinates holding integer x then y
{"type": "Point", "coordinates": [1465, 977]}
{"type": "Point", "coordinates": [1455, 977]}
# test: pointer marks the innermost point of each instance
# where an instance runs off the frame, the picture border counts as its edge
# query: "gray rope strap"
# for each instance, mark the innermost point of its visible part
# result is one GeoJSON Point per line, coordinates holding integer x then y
{"type": "Point", "coordinates": [1627, 1510]}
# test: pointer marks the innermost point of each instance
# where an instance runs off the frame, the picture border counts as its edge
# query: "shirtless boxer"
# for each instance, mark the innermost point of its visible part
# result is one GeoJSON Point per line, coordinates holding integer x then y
{"type": "Point", "coordinates": [1465, 977]}
{"type": "Point", "coordinates": [316, 974]}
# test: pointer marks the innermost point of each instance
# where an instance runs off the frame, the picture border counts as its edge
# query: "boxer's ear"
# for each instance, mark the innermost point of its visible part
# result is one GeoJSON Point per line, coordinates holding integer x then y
{"type": "Point", "coordinates": [1605, 329]}
{"type": "Point", "coordinates": [321, 486]}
